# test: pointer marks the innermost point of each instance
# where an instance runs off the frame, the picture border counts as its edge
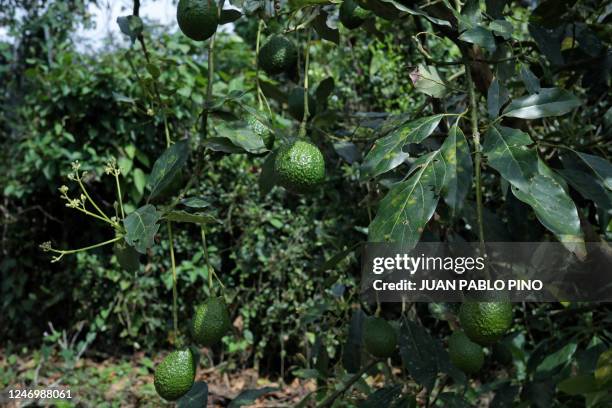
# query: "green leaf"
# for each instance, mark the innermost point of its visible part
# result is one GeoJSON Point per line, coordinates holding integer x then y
{"type": "Point", "coordinates": [267, 178]}
{"type": "Point", "coordinates": [229, 16]}
{"type": "Point", "coordinates": [197, 397]}
{"type": "Point", "coordinates": [502, 28]}
{"type": "Point", "coordinates": [452, 400]}
{"type": "Point", "coordinates": [409, 205]}
{"type": "Point", "coordinates": [140, 180]}
{"type": "Point", "coordinates": [418, 12]}
{"type": "Point", "coordinates": [131, 26]}
{"type": "Point", "coordinates": [141, 227]}
{"type": "Point", "coordinates": [383, 397]}
{"type": "Point", "coordinates": [555, 210]}
{"type": "Point", "coordinates": [298, 4]}
{"type": "Point", "coordinates": [578, 385]}
{"type": "Point", "coordinates": [561, 357]}
{"type": "Point", "coordinates": [324, 30]}
{"type": "Point", "coordinates": [427, 79]}
{"type": "Point", "coordinates": [495, 8]}
{"type": "Point", "coordinates": [221, 144]}
{"type": "Point", "coordinates": [243, 137]}
{"type": "Point", "coordinates": [479, 36]}
{"type": "Point", "coordinates": [348, 151]}
{"type": "Point", "coordinates": [497, 96]}
{"type": "Point", "coordinates": [184, 216]}
{"type": "Point", "coordinates": [456, 153]}
{"type": "Point", "coordinates": [603, 372]}
{"type": "Point", "coordinates": [387, 154]}
{"type": "Point", "coordinates": [507, 151]}
{"type": "Point", "coordinates": [195, 202]}
{"type": "Point", "coordinates": [419, 353]}
{"type": "Point", "coordinates": [324, 89]}
{"type": "Point", "coordinates": [167, 166]}
{"type": "Point", "coordinates": [248, 397]}
{"type": "Point", "coordinates": [601, 168]}
{"type": "Point", "coordinates": [548, 102]}
{"type": "Point", "coordinates": [532, 83]}
{"type": "Point", "coordinates": [153, 70]}
{"type": "Point", "coordinates": [351, 353]}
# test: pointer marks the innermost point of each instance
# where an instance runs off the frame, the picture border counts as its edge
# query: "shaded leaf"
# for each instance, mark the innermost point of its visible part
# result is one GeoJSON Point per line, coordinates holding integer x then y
{"type": "Point", "coordinates": [548, 102]}
{"type": "Point", "coordinates": [348, 151]}
{"type": "Point", "coordinates": [351, 353]}
{"type": "Point", "coordinates": [195, 202]}
{"type": "Point", "coordinates": [383, 397]}
{"type": "Point", "coordinates": [197, 397]}
{"type": "Point", "coordinates": [267, 178]}
{"type": "Point", "coordinates": [532, 83]}
{"type": "Point", "coordinates": [167, 166]}
{"type": "Point", "coordinates": [247, 397]}
{"type": "Point", "coordinates": [479, 36]}
{"type": "Point", "coordinates": [415, 11]}
{"type": "Point", "coordinates": [323, 28]}
{"type": "Point", "coordinates": [184, 216]}
{"type": "Point", "coordinates": [418, 353]}
{"type": "Point", "coordinates": [578, 385]}
{"type": "Point", "coordinates": [131, 26]}
{"type": "Point", "coordinates": [456, 153]}
{"type": "Point", "coordinates": [324, 89]}
{"type": "Point", "coordinates": [497, 96]}
{"type": "Point", "coordinates": [229, 16]}
{"type": "Point", "coordinates": [141, 227]}
{"type": "Point", "coordinates": [427, 79]}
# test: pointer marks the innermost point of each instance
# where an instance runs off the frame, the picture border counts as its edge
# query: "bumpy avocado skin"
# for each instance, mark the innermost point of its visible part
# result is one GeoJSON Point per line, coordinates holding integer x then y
{"type": "Point", "coordinates": [300, 166]}
{"type": "Point", "coordinates": [464, 353]}
{"type": "Point", "coordinates": [211, 322]}
{"type": "Point", "coordinates": [277, 55]}
{"type": "Point", "coordinates": [379, 337]}
{"type": "Point", "coordinates": [175, 374]}
{"type": "Point", "coordinates": [485, 322]}
{"type": "Point", "coordinates": [296, 104]}
{"type": "Point", "coordinates": [352, 15]}
{"type": "Point", "coordinates": [197, 19]}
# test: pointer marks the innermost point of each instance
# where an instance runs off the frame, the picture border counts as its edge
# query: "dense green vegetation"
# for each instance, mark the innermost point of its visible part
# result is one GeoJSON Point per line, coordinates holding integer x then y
{"type": "Point", "coordinates": [223, 180]}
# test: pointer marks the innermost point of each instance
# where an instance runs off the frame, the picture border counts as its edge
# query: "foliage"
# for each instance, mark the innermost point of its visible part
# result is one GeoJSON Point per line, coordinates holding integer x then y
{"type": "Point", "coordinates": [437, 121]}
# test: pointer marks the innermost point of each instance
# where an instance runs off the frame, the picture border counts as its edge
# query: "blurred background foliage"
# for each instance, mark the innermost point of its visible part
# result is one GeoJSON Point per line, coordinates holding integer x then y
{"type": "Point", "coordinates": [60, 103]}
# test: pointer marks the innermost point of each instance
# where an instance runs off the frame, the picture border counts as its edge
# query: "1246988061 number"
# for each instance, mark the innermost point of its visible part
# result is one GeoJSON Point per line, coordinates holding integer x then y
{"type": "Point", "coordinates": [44, 393]}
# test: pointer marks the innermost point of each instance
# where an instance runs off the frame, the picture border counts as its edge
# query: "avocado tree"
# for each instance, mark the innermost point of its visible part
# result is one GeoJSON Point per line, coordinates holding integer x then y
{"type": "Point", "coordinates": [512, 121]}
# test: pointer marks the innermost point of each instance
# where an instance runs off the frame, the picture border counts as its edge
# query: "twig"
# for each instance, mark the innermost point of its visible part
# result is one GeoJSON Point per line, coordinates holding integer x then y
{"type": "Point", "coordinates": [327, 402]}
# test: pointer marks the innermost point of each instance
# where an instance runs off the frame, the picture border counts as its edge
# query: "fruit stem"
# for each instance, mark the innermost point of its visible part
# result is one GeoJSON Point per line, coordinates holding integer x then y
{"type": "Point", "coordinates": [306, 68]}
{"type": "Point", "coordinates": [174, 291]}
{"type": "Point", "coordinates": [208, 266]}
{"type": "Point", "coordinates": [209, 85]}
{"type": "Point", "coordinates": [477, 150]}
{"type": "Point", "coordinates": [327, 402]}
{"type": "Point", "coordinates": [257, 43]}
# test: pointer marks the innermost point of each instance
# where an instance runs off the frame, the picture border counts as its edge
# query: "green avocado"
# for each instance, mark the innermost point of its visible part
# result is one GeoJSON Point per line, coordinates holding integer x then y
{"type": "Point", "coordinates": [211, 322]}
{"type": "Point", "coordinates": [175, 374]}
{"type": "Point", "coordinates": [485, 322]}
{"type": "Point", "coordinates": [464, 353]}
{"type": "Point", "coordinates": [379, 337]}
{"type": "Point", "coordinates": [300, 166]}
{"type": "Point", "coordinates": [278, 55]}
{"type": "Point", "coordinates": [197, 19]}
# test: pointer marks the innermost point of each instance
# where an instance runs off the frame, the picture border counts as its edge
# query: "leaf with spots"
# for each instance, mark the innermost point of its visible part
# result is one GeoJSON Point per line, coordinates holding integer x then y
{"type": "Point", "coordinates": [410, 204]}
{"type": "Point", "coordinates": [387, 153]}
{"type": "Point", "coordinates": [456, 153]}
